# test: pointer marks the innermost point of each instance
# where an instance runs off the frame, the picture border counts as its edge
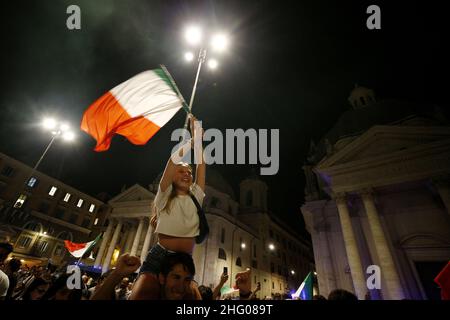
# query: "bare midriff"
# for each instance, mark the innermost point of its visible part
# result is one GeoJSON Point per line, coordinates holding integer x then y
{"type": "Point", "coordinates": [176, 243]}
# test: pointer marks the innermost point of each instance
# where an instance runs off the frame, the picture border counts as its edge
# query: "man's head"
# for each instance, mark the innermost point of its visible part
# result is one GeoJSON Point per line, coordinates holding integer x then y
{"type": "Point", "coordinates": [177, 271]}
{"type": "Point", "coordinates": [5, 250]}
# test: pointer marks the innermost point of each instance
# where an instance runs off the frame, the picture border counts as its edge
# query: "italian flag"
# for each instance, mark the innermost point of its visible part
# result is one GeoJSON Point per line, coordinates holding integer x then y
{"type": "Point", "coordinates": [79, 249]}
{"type": "Point", "coordinates": [135, 109]}
{"type": "Point", "coordinates": [305, 291]}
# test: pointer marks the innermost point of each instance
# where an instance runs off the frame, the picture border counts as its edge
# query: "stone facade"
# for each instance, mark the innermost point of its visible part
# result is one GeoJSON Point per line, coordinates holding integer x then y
{"type": "Point", "coordinates": [380, 197]}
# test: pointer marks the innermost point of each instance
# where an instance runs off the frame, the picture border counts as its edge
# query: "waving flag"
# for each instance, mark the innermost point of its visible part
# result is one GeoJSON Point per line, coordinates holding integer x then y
{"type": "Point", "coordinates": [305, 291]}
{"type": "Point", "coordinates": [135, 109]}
{"type": "Point", "coordinates": [79, 249]}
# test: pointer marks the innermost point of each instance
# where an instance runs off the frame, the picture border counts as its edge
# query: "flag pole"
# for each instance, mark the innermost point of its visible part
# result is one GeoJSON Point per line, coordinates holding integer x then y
{"type": "Point", "coordinates": [201, 60]}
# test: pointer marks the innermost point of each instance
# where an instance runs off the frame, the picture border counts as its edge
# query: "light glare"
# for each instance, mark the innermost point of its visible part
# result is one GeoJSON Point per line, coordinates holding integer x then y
{"type": "Point", "coordinates": [193, 35]}
{"type": "Point", "coordinates": [189, 56]}
{"type": "Point", "coordinates": [68, 136]}
{"type": "Point", "coordinates": [219, 42]}
{"type": "Point", "coordinates": [49, 123]}
{"type": "Point", "coordinates": [213, 64]}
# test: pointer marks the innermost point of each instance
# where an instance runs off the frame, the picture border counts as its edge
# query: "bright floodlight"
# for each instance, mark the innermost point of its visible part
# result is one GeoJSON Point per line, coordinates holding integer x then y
{"type": "Point", "coordinates": [292, 272]}
{"type": "Point", "coordinates": [189, 56]}
{"type": "Point", "coordinates": [213, 64]}
{"type": "Point", "coordinates": [193, 35]}
{"type": "Point", "coordinates": [68, 136]}
{"type": "Point", "coordinates": [271, 247]}
{"type": "Point", "coordinates": [219, 42]}
{"type": "Point", "coordinates": [64, 127]}
{"type": "Point", "coordinates": [49, 123]}
{"type": "Point", "coordinates": [243, 245]}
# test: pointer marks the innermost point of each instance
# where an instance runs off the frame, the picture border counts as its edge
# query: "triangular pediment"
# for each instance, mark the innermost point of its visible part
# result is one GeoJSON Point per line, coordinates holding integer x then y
{"type": "Point", "coordinates": [134, 193]}
{"type": "Point", "coordinates": [383, 141]}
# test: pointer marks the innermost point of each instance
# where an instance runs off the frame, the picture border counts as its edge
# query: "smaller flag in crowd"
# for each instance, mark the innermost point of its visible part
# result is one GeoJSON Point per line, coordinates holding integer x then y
{"type": "Point", "coordinates": [79, 249]}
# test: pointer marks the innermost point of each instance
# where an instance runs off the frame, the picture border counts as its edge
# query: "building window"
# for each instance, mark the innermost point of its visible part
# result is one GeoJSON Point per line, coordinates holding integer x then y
{"type": "Point", "coordinates": [222, 254]}
{"type": "Point", "coordinates": [254, 264]}
{"type": "Point", "coordinates": [273, 285]}
{"type": "Point", "coordinates": [59, 250]}
{"type": "Point", "coordinates": [272, 267]}
{"type": "Point", "coordinates": [32, 182]}
{"type": "Point", "coordinates": [222, 236]}
{"type": "Point", "coordinates": [249, 198]}
{"type": "Point", "coordinates": [80, 203]}
{"type": "Point", "coordinates": [24, 242]}
{"type": "Point", "coordinates": [279, 270]}
{"type": "Point", "coordinates": [7, 171]}
{"type": "Point", "coordinates": [65, 235]}
{"type": "Point", "coordinates": [33, 226]}
{"type": "Point", "coordinates": [92, 208]}
{"type": "Point", "coordinates": [254, 279]}
{"type": "Point", "coordinates": [96, 221]}
{"type": "Point", "coordinates": [20, 201]}
{"type": "Point", "coordinates": [280, 286]}
{"type": "Point", "coordinates": [43, 246]}
{"type": "Point", "coordinates": [239, 262]}
{"type": "Point", "coordinates": [67, 197]}
{"type": "Point", "coordinates": [52, 191]}
{"type": "Point", "coordinates": [254, 251]}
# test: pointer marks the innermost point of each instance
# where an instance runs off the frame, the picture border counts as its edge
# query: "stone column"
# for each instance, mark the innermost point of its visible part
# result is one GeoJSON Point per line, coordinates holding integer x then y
{"type": "Point", "coordinates": [101, 250]}
{"type": "Point", "coordinates": [137, 237]}
{"type": "Point", "coordinates": [388, 269]}
{"type": "Point", "coordinates": [354, 259]}
{"type": "Point", "coordinates": [130, 237]}
{"type": "Point", "coordinates": [147, 241]}
{"type": "Point", "coordinates": [112, 246]}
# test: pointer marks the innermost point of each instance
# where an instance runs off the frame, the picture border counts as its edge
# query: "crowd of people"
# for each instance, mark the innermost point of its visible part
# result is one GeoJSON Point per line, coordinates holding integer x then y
{"type": "Point", "coordinates": [168, 270]}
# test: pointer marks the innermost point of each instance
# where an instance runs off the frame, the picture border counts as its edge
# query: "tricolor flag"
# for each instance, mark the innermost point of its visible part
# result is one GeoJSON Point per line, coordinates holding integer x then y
{"type": "Point", "coordinates": [79, 249]}
{"type": "Point", "coordinates": [305, 291]}
{"type": "Point", "coordinates": [443, 280]}
{"type": "Point", "coordinates": [135, 109]}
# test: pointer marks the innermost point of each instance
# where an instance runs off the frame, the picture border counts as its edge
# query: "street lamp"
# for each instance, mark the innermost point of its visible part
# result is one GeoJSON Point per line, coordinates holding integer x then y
{"type": "Point", "coordinates": [243, 245]}
{"type": "Point", "coordinates": [57, 130]}
{"type": "Point", "coordinates": [271, 247]}
{"type": "Point", "coordinates": [194, 37]}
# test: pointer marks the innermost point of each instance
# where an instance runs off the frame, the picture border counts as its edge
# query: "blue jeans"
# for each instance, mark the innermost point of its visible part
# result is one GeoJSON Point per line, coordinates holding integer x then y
{"type": "Point", "coordinates": [154, 258]}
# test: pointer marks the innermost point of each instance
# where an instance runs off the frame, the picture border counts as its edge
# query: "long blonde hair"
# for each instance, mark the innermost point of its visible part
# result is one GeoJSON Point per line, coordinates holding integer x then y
{"type": "Point", "coordinates": [173, 193]}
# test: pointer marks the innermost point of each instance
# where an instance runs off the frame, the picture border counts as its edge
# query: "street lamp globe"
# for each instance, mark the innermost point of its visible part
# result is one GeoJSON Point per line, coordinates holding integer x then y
{"type": "Point", "coordinates": [193, 35]}
{"type": "Point", "coordinates": [212, 64]}
{"type": "Point", "coordinates": [271, 247]}
{"type": "Point", "coordinates": [243, 245]}
{"type": "Point", "coordinates": [64, 127]}
{"type": "Point", "coordinates": [219, 42]}
{"type": "Point", "coordinates": [189, 56]}
{"type": "Point", "coordinates": [49, 123]}
{"type": "Point", "coordinates": [68, 136]}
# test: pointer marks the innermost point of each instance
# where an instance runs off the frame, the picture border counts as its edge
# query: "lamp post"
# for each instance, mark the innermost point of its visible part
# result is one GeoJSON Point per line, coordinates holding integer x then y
{"type": "Point", "coordinates": [194, 37]}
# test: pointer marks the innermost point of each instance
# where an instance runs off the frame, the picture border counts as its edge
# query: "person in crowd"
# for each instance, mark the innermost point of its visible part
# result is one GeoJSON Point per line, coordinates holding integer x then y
{"type": "Point", "coordinates": [60, 291]}
{"type": "Point", "coordinates": [342, 295]}
{"type": "Point", "coordinates": [11, 269]}
{"type": "Point", "coordinates": [5, 250]}
{"type": "Point", "coordinates": [36, 290]}
{"type": "Point", "coordinates": [176, 220]}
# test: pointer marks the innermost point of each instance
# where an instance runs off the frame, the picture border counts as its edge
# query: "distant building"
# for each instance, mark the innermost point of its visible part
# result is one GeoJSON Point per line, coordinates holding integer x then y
{"type": "Point", "coordinates": [378, 193]}
{"type": "Point", "coordinates": [38, 212]}
{"type": "Point", "coordinates": [240, 235]}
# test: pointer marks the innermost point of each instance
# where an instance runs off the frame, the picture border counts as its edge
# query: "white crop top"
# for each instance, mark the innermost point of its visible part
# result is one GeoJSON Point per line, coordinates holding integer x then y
{"type": "Point", "coordinates": [181, 219]}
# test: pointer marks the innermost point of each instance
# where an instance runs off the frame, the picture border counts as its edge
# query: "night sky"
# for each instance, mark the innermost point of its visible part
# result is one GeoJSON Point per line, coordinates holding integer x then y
{"type": "Point", "coordinates": [291, 66]}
